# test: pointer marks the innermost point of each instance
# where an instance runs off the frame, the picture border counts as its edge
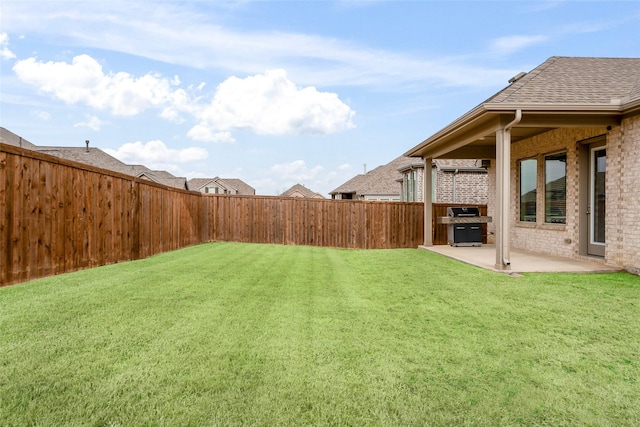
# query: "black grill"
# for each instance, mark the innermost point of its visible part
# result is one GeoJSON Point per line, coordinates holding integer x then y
{"type": "Point", "coordinates": [464, 231]}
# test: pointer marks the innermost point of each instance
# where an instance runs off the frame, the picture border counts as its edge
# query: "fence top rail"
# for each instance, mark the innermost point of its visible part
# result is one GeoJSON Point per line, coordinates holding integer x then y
{"type": "Point", "coordinates": [307, 199]}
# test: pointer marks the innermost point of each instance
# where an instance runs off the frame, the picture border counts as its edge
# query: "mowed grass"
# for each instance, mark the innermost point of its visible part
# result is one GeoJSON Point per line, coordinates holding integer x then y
{"type": "Point", "coordinates": [243, 334]}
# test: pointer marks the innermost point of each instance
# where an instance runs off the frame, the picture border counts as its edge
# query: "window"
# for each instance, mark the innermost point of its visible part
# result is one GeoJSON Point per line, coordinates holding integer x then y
{"type": "Point", "coordinates": [414, 187]}
{"type": "Point", "coordinates": [555, 188]}
{"type": "Point", "coordinates": [407, 191]}
{"type": "Point", "coordinates": [528, 175]}
{"type": "Point", "coordinates": [409, 184]}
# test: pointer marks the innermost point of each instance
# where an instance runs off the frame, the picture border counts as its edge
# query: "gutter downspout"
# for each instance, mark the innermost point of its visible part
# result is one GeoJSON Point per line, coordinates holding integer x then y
{"type": "Point", "coordinates": [503, 154]}
{"type": "Point", "coordinates": [514, 122]}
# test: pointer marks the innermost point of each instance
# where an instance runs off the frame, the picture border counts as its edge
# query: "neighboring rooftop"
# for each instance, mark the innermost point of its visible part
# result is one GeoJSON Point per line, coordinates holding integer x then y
{"type": "Point", "coordinates": [96, 157]}
{"type": "Point", "coordinates": [221, 186]}
{"type": "Point", "coordinates": [299, 190]}
{"type": "Point", "coordinates": [382, 180]}
{"type": "Point", "coordinates": [10, 138]}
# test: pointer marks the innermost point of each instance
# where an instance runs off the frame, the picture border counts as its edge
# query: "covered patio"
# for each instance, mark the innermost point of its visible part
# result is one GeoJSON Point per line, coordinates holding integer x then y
{"type": "Point", "coordinates": [561, 141]}
{"type": "Point", "coordinates": [521, 261]}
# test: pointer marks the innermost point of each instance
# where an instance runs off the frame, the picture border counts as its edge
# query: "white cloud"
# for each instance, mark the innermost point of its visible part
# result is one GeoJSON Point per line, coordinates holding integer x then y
{"type": "Point", "coordinates": [42, 115]}
{"type": "Point", "coordinates": [156, 155]}
{"type": "Point", "coordinates": [5, 53]}
{"type": "Point", "coordinates": [92, 123]}
{"type": "Point", "coordinates": [511, 44]}
{"type": "Point", "coordinates": [83, 81]}
{"type": "Point", "coordinates": [204, 133]}
{"type": "Point", "coordinates": [296, 171]}
{"type": "Point", "coordinates": [271, 104]}
{"type": "Point", "coordinates": [318, 178]}
{"type": "Point", "coordinates": [268, 104]}
{"type": "Point", "coordinates": [160, 35]}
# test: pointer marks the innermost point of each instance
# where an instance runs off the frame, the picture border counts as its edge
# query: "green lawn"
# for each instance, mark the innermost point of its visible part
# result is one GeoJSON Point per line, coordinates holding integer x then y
{"type": "Point", "coordinates": [243, 334]}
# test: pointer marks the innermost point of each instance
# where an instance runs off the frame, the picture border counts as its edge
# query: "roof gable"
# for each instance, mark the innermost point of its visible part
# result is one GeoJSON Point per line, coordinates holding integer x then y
{"type": "Point", "coordinates": [235, 185]}
{"type": "Point", "coordinates": [299, 190]}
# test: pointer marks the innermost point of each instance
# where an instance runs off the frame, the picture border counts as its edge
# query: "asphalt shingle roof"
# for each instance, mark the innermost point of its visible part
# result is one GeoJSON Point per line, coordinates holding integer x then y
{"type": "Point", "coordinates": [571, 80]}
{"type": "Point", "coordinates": [96, 157]}
{"type": "Point", "coordinates": [195, 184]}
{"type": "Point", "coordinates": [381, 180]}
{"type": "Point", "coordinates": [304, 191]}
{"type": "Point", "coordinates": [10, 138]}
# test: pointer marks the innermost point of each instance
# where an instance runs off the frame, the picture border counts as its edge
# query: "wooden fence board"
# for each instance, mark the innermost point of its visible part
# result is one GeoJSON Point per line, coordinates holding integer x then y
{"type": "Point", "coordinates": [20, 243]}
{"type": "Point", "coordinates": [5, 216]}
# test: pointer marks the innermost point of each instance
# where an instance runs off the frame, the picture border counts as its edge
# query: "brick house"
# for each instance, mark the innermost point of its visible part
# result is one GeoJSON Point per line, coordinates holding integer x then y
{"type": "Point", "coordinates": [563, 141]}
{"type": "Point", "coordinates": [231, 186]}
{"type": "Point", "coordinates": [302, 192]}
{"type": "Point", "coordinates": [454, 181]}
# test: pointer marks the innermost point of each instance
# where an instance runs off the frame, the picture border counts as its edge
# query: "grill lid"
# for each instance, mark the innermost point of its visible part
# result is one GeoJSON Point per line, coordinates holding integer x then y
{"type": "Point", "coordinates": [463, 211]}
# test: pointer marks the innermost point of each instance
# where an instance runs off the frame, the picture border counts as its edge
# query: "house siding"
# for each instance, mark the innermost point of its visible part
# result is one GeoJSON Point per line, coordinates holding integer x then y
{"type": "Point", "coordinates": [622, 222]}
{"type": "Point", "coordinates": [470, 187]}
{"type": "Point", "coordinates": [552, 239]}
{"type": "Point", "coordinates": [623, 195]}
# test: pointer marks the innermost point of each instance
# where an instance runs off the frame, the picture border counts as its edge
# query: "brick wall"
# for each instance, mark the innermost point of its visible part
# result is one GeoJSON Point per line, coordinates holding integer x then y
{"type": "Point", "coordinates": [461, 187]}
{"type": "Point", "coordinates": [622, 194]}
{"type": "Point", "coordinates": [552, 239]}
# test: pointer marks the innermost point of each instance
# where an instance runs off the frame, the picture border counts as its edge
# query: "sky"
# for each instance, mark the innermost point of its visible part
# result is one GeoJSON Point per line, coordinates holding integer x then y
{"type": "Point", "coordinates": [277, 93]}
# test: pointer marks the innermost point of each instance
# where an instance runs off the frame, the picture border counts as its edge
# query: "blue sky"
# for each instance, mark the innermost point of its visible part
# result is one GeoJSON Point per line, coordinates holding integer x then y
{"type": "Point", "coordinates": [277, 92]}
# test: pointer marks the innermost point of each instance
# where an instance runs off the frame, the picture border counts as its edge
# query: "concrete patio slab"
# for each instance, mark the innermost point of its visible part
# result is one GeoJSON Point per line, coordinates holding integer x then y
{"type": "Point", "coordinates": [521, 261]}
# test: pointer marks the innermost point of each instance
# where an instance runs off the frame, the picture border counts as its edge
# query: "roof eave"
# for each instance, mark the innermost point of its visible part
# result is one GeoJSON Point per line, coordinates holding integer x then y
{"type": "Point", "coordinates": [487, 118]}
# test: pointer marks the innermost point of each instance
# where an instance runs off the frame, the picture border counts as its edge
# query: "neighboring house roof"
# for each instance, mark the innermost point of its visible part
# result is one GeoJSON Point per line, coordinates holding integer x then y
{"type": "Point", "coordinates": [89, 156]}
{"type": "Point", "coordinates": [558, 93]}
{"type": "Point", "coordinates": [382, 180]}
{"type": "Point", "coordinates": [242, 187]}
{"type": "Point", "coordinates": [232, 184]}
{"type": "Point", "coordinates": [96, 157]}
{"type": "Point", "coordinates": [164, 177]}
{"type": "Point", "coordinates": [386, 179]}
{"type": "Point", "coordinates": [100, 159]}
{"type": "Point", "coordinates": [10, 138]}
{"type": "Point", "coordinates": [299, 190]}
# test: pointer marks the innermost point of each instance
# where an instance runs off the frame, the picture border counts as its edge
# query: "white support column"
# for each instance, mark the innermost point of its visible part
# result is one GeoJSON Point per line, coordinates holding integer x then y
{"type": "Point", "coordinates": [427, 197]}
{"type": "Point", "coordinates": [503, 205]}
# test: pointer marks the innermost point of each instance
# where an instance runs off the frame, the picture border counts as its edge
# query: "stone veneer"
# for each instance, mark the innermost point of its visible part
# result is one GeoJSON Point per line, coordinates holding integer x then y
{"type": "Point", "coordinates": [622, 247]}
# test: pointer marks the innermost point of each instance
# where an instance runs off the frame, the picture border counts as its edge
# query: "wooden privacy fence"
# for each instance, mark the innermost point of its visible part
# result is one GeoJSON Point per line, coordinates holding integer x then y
{"type": "Point", "coordinates": [315, 222]}
{"type": "Point", "coordinates": [58, 216]}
